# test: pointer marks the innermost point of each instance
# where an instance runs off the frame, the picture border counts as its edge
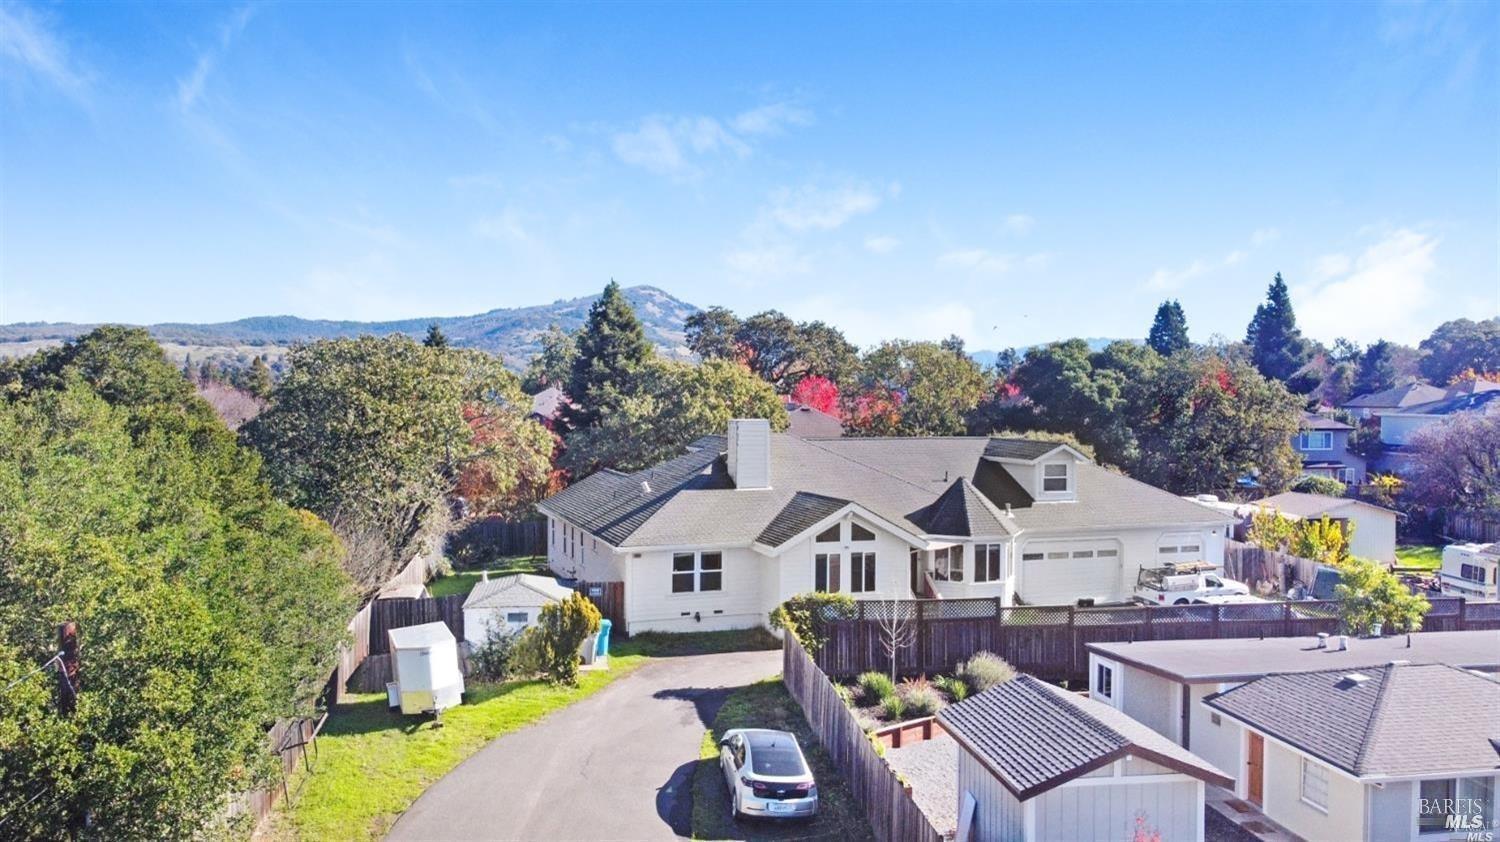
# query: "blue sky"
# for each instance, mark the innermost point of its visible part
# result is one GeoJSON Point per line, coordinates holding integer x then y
{"type": "Point", "coordinates": [1010, 173]}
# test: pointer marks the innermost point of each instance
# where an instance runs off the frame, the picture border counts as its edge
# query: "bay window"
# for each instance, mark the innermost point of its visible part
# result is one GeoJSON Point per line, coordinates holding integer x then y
{"type": "Point", "coordinates": [948, 564]}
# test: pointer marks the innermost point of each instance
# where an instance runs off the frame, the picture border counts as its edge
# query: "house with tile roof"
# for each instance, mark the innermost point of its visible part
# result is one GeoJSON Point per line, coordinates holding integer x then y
{"type": "Point", "coordinates": [1397, 751]}
{"type": "Point", "coordinates": [1036, 762]}
{"type": "Point", "coordinates": [719, 536]}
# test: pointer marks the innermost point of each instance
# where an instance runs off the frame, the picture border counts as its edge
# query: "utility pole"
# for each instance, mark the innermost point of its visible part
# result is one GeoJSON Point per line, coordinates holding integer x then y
{"type": "Point", "coordinates": [68, 674]}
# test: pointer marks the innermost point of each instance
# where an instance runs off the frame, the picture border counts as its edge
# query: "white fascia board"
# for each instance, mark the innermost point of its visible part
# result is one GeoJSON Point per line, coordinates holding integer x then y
{"type": "Point", "coordinates": [1078, 455]}
{"type": "Point", "coordinates": [906, 535]}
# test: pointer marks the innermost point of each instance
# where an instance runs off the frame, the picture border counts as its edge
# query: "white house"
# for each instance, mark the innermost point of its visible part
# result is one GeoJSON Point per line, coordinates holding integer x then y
{"type": "Point", "coordinates": [1394, 752]}
{"type": "Point", "coordinates": [718, 537]}
{"type": "Point", "coordinates": [1374, 526]}
{"type": "Point", "coordinates": [1162, 683]}
{"type": "Point", "coordinates": [516, 601]}
{"type": "Point", "coordinates": [1036, 762]}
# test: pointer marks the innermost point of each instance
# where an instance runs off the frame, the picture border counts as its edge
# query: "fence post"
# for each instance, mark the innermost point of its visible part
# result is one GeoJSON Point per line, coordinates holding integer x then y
{"type": "Point", "coordinates": [1463, 613]}
{"type": "Point", "coordinates": [921, 636]}
{"type": "Point", "coordinates": [1073, 640]}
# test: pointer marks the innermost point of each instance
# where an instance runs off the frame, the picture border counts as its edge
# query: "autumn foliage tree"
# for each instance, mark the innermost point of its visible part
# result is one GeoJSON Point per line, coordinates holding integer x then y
{"type": "Point", "coordinates": [818, 392]}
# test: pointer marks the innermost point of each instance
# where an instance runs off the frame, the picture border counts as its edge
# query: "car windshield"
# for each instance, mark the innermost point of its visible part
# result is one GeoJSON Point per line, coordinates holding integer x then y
{"type": "Point", "coordinates": [776, 761]}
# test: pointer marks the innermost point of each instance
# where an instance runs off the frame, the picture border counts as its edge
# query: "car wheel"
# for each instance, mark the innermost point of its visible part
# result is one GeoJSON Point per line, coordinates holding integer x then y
{"type": "Point", "coordinates": [1180, 602]}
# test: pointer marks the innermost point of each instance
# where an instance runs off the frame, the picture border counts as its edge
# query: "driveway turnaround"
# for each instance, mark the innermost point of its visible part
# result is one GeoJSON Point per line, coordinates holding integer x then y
{"type": "Point", "coordinates": [617, 765]}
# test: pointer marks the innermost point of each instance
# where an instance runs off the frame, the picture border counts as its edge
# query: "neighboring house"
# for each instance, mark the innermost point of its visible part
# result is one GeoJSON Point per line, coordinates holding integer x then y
{"type": "Point", "coordinates": [1374, 526]}
{"type": "Point", "coordinates": [516, 601]}
{"type": "Point", "coordinates": [1323, 445]}
{"type": "Point", "coordinates": [544, 406]}
{"type": "Point", "coordinates": [1163, 683]}
{"type": "Point", "coordinates": [804, 422]}
{"type": "Point", "coordinates": [718, 537]}
{"type": "Point", "coordinates": [1394, 752]}
{"type": "Point", "coordinates": [1374, 403]}
{"type": "Point", "coordinates": [1398, 427]}
{"type": "Point", "coordinates": [1036, 762]}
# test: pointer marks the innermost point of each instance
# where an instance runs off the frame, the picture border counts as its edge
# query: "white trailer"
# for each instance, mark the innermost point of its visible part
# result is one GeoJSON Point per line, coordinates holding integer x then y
{"type": "Point", "coordinates": [425, 662]}
{"type": "Point", "coordinates": [1471, 571]}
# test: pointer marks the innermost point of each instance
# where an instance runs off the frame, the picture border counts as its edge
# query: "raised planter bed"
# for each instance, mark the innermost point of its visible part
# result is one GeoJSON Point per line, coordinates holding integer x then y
{"type": "Point", "coordinates": [908, 733]}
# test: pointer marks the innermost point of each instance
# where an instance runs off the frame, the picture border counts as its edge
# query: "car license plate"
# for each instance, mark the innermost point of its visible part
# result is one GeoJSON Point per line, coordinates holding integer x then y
{"type": "Point", "coordinates": [782, 808]}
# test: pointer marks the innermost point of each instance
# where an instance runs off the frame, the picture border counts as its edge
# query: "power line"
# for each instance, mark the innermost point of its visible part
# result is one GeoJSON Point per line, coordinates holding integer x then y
{"type": "Point", "coordinates": [48, 663]}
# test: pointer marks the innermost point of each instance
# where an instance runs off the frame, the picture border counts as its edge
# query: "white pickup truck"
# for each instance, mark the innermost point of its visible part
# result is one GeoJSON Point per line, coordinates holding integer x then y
{"type": "Point", "coordinates": [1181, 584]}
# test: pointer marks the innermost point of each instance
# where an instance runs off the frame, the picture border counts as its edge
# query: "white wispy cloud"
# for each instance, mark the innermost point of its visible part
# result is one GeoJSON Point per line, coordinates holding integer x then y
{"type": "Point", "coordinates": [190, 87]}
{"type": "Point", "coordinates": [1236, 256]}
{"type": "Point", "coordinates": [29, 42]}
{"type": "Point", "coordinates": [1019, 224]}
{"type": "Point", "coordinates": [772, 119]}
{"type": "Point", "coordinates": [775, 242]}
{"type": "Point", "coordinates": [1164, 280]}
{"type": "Point", "coordinates": [680, 146]}
{"type": "Point", "coordinates": [811, 207]}
{"type": "Point", "coordinates": [768, 259]}
{"type": "Point", "coordinates": [881, 245]}
{"type": "Point", "coordinates": [1382, 292]}
{"type": "Point", "coordinates": [510, 225]}
{"type": "Point", "coordinates": [1262, 236]}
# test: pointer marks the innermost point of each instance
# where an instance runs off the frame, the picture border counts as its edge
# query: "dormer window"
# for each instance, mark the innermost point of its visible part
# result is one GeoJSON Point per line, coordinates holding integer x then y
{"type": "Point", "coordinates": [1055, 478]}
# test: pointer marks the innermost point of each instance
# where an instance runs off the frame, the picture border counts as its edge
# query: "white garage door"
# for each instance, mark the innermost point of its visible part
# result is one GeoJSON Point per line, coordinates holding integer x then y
{"type": "Point", "coordinates": [1063, 573]}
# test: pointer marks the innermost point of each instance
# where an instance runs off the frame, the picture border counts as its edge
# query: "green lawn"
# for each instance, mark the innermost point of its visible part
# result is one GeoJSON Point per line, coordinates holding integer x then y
{"type": "Point", "coordinates": [372, 764]}
{"type": "Point", "coordinates": [767, 705]}
{"type": "Point", "coordinates": [1420, 556]}
{"type": "Point", "coordinates": [459, 583]}
{"type": "Point", "coordinates": [667, 645]}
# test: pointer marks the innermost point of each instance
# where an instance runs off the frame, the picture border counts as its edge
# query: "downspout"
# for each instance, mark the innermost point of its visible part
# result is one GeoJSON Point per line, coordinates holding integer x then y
{"type": "Point", "coordinates": [1187, 697]}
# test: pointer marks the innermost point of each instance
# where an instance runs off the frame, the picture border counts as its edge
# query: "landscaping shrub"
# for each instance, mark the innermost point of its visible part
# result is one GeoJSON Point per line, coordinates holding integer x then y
{"type": "Point", "coordinates": [954, 686]}
{"type": "Point", "coordinates": [845, 694]}
{"type": "Point", "coordinates": [551, 646]}
{"type": "Point", "coordinates": [495, 659]}
{"type": "Point", "coordinates": [874, 688]}
{"type": "Point", "coordinates": [1320, 485]}
{"type": "Point", "coordinates": [806, 616]}
{"type": "Point", "coordinates": [921, 698]}
{"type": "Point", "coordinates": [985, 670]}
{"type": "Point", "coordinates": [893, 708]}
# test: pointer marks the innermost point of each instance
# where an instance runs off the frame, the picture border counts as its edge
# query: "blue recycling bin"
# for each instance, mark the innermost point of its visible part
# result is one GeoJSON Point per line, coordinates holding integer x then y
{"type": "Point", "coordinates": [601, 646]}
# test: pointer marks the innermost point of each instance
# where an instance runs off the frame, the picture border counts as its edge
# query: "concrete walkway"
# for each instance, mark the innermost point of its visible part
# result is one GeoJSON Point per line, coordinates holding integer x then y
{"type": "Point", "coordinates": [617, 765]}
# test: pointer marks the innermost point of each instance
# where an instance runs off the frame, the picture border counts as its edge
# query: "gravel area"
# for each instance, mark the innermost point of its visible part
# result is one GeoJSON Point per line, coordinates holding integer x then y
{"type": "Point", "coordinates": [931, 767]}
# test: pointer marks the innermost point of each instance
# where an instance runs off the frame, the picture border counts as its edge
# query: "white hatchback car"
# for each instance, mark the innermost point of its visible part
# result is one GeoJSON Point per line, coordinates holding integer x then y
{"type": "Point", "coordinates": [767, 774]}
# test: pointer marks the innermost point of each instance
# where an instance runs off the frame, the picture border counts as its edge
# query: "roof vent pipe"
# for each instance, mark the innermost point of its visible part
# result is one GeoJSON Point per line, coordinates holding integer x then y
{"type": "Point", "coordinates": [645, 487]}
{"type": "Point", "coordinates": [1343, 643]}
{"type": "Point", "coordinates": [1322, 640]}
{"type": "Point", "coordinates": [484, 575]}
{"type": "Point", "coordinates": [1008, 512]}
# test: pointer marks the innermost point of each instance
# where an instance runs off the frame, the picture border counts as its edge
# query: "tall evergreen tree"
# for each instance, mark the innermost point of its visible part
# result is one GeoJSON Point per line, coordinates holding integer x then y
{"type": "Point", "coordinates": [1169, 330]}
{"type": "Point", "coordinates": [1377, 369]}
{"type": "Point", "coordinates": [1277, 346]}
{"type": "Point", "coordinates": [612, 347]}
{"type": "Point", "coordinates": [258, 381]}
{"type": "Point", "coordinates": [435, 337]}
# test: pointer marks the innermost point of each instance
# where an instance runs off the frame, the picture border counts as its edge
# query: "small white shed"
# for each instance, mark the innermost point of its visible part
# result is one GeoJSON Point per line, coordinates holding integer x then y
{"type": "Point", "coordinates": [515, 600]}
{"type": "Point", "coordinates": [424, 660]}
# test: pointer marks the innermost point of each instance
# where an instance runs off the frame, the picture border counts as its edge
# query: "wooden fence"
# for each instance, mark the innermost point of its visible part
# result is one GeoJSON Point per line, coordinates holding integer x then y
{"type": "Point", "coordinates": [1050, 641]}
{"type": "Point", "coordinates": [494, 537]}
{"type": "Point", "coordinates": [893, 815]}
{"type": "Point", "coordinates": [387, 614]}
{"type": "Point", "coordinates": [609, 598]}
{"type": "Point", "coordinates": [1252, 565]}
{"type": "Point", "coordinates": [1481, 527]}
{"type": "Point", "coordinates": [294, 741]}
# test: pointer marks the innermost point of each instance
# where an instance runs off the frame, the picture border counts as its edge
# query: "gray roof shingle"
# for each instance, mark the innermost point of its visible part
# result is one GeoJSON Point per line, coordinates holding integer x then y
{"type": "Point", "coordinates": [517, 590]}
{"type": "Point", "coordinates": [1033, 737]}
{"type": "Point", "coordinates": [1383, 725]}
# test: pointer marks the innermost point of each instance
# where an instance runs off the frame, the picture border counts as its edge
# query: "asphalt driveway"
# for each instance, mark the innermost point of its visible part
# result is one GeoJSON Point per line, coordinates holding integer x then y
{"type": "Point", "coordinates": [617, 765]}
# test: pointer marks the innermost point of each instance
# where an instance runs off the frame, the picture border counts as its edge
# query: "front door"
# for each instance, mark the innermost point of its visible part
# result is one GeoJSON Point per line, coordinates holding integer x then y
{"type": "Point", "coordinates": [1256, 767]}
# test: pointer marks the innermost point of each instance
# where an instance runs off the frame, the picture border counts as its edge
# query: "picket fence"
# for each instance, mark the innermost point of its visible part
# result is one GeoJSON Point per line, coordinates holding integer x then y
{"type": "Point", "coordinates": [893, 815]}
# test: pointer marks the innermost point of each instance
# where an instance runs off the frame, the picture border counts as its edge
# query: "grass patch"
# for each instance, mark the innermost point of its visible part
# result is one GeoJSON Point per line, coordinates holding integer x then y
{"type": "Point", "coordinates": [460, 582]}
{"type": "Point", "coordinates": [766, 704]}
{"type": "Point", "coordinates": [672, 644]}
{"type": "Point", "coordinates": [372, 763]}
{"type": "Point", "coordinates": [1420, 556]}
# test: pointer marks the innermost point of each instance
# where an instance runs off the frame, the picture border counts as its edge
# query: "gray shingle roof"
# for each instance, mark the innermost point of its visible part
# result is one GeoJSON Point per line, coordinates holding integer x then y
{"type": "Point", "coordinates": [1470, 402]}
{"type": "Point", "coordinates": [1411, 393]}
{"type": "Point", "coordinates": [1312, 505]}
{"type": "Point", "coordinates": [962, 511]}
{"type": "Point", "coordinates": [1383, 725]}
{"type": "Point", "coordinates": [1244, 659]}
{"type": "Point", "coordinates": [692, 499]}
{"type": "Point", "coordinates": [1311, 421]}
{"type": "Point", "coordinates": [805, 422]}
{"type": "Point", "coordinates": [799, 514]}
{"type": "Point", "coordinates": [516, 591]}
{"type": "Point", "coordinates": [1034, 737]}
{"type": "Point", "coordinates": [1019, 449]}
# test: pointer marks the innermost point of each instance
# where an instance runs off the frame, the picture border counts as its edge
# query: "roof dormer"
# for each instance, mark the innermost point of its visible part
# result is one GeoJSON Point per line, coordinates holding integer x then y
{"type": "Point", "coordinates": [1047, 470]}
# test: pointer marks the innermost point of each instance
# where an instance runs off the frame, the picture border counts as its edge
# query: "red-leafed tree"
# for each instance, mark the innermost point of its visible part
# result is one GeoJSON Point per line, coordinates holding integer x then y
{"type": "Point", "coordinates": [512, 464]}
{"type": "Point", "coordinates": [818, 392]}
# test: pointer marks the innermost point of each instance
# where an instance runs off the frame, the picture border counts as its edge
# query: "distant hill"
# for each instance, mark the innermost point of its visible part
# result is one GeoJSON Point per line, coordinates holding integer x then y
{"type": "Point", "coordinates": [512, 333]}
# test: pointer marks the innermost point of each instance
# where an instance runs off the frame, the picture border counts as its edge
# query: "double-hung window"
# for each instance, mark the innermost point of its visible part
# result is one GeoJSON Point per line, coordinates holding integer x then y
{"type": "Point", "coordinates": [1317, 441]}
{"type": "Point", "coordinates": [987, 566]}
{"type": "Point", "coordinates": [1104, 681]}
{"type": "Point", "coordinates": [1055, 477]}
{"type": "Point", "coordinates": [862, 572]}
{"type": "Point", "coordinates": [697, 572]}
{"type": "Point", "coordinates": [1315, 784]}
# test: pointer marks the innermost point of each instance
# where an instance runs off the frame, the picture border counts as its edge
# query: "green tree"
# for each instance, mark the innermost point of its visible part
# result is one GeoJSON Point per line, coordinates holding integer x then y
{"type": "Point", "coordinates": [1169, 330]}
{"type": "Point", "coordinates": [207, 609]}
{"type": "Point", "coordinates": [553, 364]}
{"type": "Point", "coordinates": [612, 347]}
{"type": "Point", "coordinates": [933, 388]}
{"type": "Point", "coordinates": [551, 646]}
{"type": "Point", "coordinates": [1069, 389]}
{"type": "Point", "coordinates": [825, 353]}
{"type": "Point", "coordinates": [1456, 463]}
{"type": "Point", "coordinates": [435, 337]}
{"type": "Point", "coordinates": [1313, 484]}
{"type": "Point", "coordinates": [258, 380]}
{"type": "Point", "coordinates": [713, 334]}
{"type": "Point", "coordinates": [372, 434]}
{"type": "Point", "coordinates": [672, 404]}
{"type": "Point", "coordinates": [1271, 530]}
{"type": "Point", "coordinates": [1377, 369]}
{"type": "Point", "coordinates": [1370, 595]}
{"type": "Point", "coordinates": [1324, 540]}
{"type": "Point", "coordinates": [1276, 344]}
{"type": "Point", "coordinates": [1460, 346]}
